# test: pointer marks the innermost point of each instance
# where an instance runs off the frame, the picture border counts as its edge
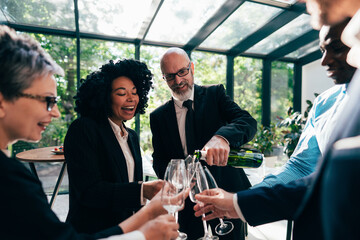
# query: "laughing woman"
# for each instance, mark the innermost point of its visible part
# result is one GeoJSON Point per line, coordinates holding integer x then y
{"type": "Point", "coordinates": [27, 105]}
{"type": "Point", "coordinates": [103, 155]}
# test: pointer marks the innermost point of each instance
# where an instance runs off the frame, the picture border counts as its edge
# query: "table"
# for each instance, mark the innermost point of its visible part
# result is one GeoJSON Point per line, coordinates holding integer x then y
{"type": "Point", "coordinates": [44, 155]}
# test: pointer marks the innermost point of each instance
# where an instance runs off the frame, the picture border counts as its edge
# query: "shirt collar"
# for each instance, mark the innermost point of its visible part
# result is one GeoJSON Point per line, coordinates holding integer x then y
{"type": "Point", "coordinates": [117, 129]}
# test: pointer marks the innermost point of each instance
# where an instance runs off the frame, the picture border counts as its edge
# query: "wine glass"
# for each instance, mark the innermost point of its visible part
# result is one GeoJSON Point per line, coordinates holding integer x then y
{"type": "Point", "coordinates": [198, 183]}
{"type": "Point", "coordinates": [173, 191]}
{"type": "Point", "coordinates": [224, 227]}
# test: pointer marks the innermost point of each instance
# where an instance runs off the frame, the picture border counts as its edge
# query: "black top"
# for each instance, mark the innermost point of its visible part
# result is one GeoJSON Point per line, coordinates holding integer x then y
{"type": "Point", "coordinates": [100, 193]}
{"type": "Point", "coordinates": [25, 211]}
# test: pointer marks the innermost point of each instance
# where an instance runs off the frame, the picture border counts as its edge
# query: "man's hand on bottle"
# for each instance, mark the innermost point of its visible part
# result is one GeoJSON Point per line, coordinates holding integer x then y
{"type": "Point", "coordinates": [217, 151]}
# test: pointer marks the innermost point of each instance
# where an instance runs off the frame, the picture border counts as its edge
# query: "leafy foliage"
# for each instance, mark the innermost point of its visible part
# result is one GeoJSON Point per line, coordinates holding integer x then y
{"type": "Point", "coordinates": [266, 138]}
{"type": "Point", "coordinates": [294, 125]}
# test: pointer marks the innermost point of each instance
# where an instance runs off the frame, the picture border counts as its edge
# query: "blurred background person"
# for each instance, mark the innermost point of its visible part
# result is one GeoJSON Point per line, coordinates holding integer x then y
{"type": "Point", "coordinates": [325, 112]}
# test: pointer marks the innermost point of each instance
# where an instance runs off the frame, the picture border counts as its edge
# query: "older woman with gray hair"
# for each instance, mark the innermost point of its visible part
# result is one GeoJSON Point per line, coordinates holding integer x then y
{"type": "Point", "coordinates": [28, 100]}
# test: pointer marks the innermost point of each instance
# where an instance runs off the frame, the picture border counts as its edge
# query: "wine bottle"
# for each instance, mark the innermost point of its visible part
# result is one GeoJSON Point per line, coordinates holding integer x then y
{"type": "Point", "coordinates": [243, 159]}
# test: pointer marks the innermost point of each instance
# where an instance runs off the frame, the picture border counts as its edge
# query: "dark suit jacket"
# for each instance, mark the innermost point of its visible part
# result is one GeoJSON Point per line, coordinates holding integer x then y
{"type": "Point", "coordinates": [340, 191]}
{"type": "Point", "coordinates": [25, 212]}
{"type": "Point", "coordinates": [100, 193]}
{"type": "Point", "coordinates": [215, 114]}
{"type": "Point", "coordinates": [323, 205]}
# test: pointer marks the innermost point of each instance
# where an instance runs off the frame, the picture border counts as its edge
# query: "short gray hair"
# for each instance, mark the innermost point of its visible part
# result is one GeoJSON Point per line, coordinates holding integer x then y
{"type": "Point", "coordinates": [22, 60]}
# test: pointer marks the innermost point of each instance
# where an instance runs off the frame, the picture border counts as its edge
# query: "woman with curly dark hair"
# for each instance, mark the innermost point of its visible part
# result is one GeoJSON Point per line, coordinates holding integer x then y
{"type": "Point", "coordinates": [103, 155]}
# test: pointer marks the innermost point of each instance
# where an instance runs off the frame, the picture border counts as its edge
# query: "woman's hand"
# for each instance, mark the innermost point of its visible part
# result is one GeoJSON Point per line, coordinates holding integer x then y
{"type": "Point", "coordinates": [163, 227]}
{"type": "Point", "coordinates": [150, 189]}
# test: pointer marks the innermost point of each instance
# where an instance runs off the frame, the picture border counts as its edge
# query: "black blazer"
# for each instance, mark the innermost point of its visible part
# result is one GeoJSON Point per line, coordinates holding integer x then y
{"type": "Point", "coordinates": [215, 114]}
{"type": "Point", "coordinates": [100, 193]}
{"type": "Point", "coordinates": [323, 205]}
{"type": "Point", "coordinates": [25, 211]}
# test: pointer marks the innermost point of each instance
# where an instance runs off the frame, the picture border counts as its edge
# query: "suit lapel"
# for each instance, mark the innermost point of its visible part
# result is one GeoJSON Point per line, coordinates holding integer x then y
{"type": "Point", "coordinates": [114, 150]}
{"type": "Point", "coordinates": [171, 127]}
{"type": "Point", "coordinates": [137, 158]}
{"type": "Point", "coordinates": [199, 105]}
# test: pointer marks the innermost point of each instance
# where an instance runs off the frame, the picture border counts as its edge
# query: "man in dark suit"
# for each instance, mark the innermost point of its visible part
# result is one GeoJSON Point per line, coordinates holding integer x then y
{"type": "Point", "coordinates": [306, 199]}
{"type": "Point", "coordinates": [218, 124]}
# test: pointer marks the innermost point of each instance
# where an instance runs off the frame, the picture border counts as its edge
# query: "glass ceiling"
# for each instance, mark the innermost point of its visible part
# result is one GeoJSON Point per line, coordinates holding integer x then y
{"type": "Point", "coordinates": [293, 29]}
{"type": "Point", "coordinates": [113, 17]}
{"type": "Point", "coordinates": [255, 28]}
{"type": "Point", "coordinates": [178, 20]}
{"type": "Point", "coordinates": [303, 51]}
{"type": "Point", "coordinates": [246, 20]}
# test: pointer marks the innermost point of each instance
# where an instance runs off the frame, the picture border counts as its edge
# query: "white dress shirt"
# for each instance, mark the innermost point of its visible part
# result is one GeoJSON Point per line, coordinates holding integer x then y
{"type": "Point", "coordinates": [181, 118]}
{"type": "Point", "coordinates": [130, 163]}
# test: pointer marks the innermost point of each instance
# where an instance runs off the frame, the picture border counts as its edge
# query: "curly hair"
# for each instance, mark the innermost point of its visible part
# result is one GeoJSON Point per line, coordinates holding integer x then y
{"type": "Point", "coordinates": [93, 98]}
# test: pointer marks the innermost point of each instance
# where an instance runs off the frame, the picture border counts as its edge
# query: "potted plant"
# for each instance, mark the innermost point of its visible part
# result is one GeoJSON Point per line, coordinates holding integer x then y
{"type": "Point", "coordinates": [293, 126]}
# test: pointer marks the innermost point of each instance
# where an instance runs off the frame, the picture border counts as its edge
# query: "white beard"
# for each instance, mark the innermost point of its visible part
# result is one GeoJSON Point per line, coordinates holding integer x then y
{"type": "Point", "coordinates": [184, 96]}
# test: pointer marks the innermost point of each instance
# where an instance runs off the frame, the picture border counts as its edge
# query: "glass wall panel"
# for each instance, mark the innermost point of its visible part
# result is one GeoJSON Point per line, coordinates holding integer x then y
{"type": "Point", "coordinates": [157, 96]}
{"type": "Point", "coordinates": [49, 13]}
{"type": "Point", "coordinates": [113, 17]}
{"type": "Point", "coordinates": [209, 68]}
{"type": "Point", "coordinates": [282, 82]}
{"type": "Point", "coordinates": [305, 50]}
{"type": "Point", "coordinates": [243, 22]}
{"type": "Point", "coordinates": [179, 20]}
{"type": "Point", "coordinates": [247, 85]}
{"type": "Point", "coordinates": [290, 31]}
{"type": "Point", "coordinates": [95, 53]}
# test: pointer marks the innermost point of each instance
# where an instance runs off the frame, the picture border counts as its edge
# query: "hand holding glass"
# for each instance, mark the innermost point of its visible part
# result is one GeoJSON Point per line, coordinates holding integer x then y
{"type": "Point", "coordinates": [173, 191]}
{"type": "Point", "coordinates": [198, 183]}
{"type": "Point", "coordinates": [224, 227]}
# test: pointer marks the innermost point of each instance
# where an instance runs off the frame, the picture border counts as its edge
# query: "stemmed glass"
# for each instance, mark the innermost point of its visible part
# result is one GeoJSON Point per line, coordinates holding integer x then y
{"type": "Point", "coordinates": [224, 227]}
{"type": "Point", "coordinates": [173, 191]}
{"type": "Point", "coordinates": [198, 183]}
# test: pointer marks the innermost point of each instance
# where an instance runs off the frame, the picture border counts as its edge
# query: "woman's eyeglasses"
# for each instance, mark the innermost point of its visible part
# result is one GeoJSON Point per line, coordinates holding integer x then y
{"type": "Point", "coordinates": [50, 100]}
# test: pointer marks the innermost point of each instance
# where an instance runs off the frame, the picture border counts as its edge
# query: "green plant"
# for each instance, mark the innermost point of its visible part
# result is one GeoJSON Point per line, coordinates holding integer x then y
{"type": "Point", "coordinates": [266, 138]}
{"type": "Point", "coordinates": [294, 125]}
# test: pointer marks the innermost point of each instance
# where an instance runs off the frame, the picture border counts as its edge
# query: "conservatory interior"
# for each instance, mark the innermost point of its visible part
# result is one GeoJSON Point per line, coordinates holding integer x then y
{"type": "Point", "coordinates": [265, 53]}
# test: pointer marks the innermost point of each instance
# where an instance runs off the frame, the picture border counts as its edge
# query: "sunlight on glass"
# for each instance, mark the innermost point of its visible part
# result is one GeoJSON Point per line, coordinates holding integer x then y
{"type": "Point", "coordinates": [113, 17]}
{"type": "Point", "coordinates": [177, 21]}
{"type": "Point", "coordinates": [50, 13]}
{"type": "Point", "coordinates": [282, 83]}
{"type": "Point", "coordinates": [303, 51]}
{"type": "Point", "coordinates": [244, 21]}
{"type": "Point", "coordinates": [290, 31]}
{"type": "Point", "coordinates": [2, 17]}
{"type": "Point", "coordinates": [209, 68]}
{"type": "Point", "coordinates": [157, 96]}
{"type": "Point", "coordinates": [248, 84]}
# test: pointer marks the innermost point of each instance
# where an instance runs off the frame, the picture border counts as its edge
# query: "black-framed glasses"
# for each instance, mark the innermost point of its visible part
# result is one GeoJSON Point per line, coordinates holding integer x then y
{"type": "Point", "coordinates": [181, 73]}
{"type": "Point", "coordinates": [50, 100]}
